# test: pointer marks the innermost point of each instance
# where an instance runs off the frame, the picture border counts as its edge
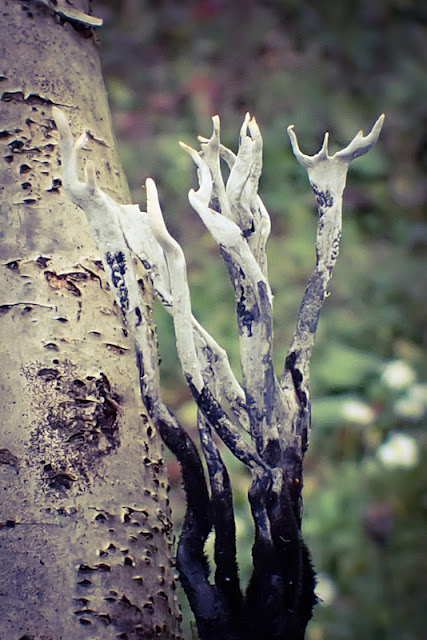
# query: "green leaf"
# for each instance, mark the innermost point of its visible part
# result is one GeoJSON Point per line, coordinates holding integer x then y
{"type": "Point", "coordinates": [343, 367]}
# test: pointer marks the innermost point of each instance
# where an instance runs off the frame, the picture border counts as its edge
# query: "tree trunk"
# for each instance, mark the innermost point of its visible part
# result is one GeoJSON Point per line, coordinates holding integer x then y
{"type": "Point", "coordinates": [85, 531]}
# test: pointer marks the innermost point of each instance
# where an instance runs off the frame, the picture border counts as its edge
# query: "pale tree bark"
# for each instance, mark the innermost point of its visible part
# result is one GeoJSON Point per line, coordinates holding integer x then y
{"type": "Point", "coordinates": [85, 531]}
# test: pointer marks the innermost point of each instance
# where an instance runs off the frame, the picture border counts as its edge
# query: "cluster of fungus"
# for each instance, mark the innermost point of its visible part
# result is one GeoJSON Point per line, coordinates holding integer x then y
{"type": "Point", "coordinates": [264, 420]}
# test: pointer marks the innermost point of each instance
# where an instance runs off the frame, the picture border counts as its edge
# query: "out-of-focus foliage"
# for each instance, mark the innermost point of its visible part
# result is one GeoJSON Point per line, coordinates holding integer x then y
{"type": "Point", "coordinates": [320, 65]}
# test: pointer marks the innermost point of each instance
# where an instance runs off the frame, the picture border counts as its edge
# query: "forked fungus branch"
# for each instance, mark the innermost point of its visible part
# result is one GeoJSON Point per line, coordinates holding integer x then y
{"type": "Point", "coordinates": [264, 421]}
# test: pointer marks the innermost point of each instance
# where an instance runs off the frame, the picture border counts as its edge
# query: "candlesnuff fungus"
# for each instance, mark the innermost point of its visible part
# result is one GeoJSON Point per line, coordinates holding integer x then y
{"type": "Point", "coordinates": [264, 421]}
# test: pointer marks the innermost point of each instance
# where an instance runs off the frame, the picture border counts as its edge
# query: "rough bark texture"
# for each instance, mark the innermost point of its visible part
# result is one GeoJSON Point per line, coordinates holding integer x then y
{"type": "Point", "coordinates": [85, 532]}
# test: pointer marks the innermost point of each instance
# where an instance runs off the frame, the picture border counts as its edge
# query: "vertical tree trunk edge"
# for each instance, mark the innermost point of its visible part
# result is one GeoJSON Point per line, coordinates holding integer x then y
{"type": "Point", "coordinates": [85, 530]}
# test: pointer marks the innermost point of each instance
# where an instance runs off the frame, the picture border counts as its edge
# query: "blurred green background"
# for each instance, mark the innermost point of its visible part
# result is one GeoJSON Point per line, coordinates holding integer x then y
{"type": "Point", "coordinates": [322, 66]}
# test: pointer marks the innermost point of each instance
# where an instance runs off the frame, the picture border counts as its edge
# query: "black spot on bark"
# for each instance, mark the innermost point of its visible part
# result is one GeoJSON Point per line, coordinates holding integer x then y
{"type": "Point", "coordinates": [48, 374]}
{"type": "Point", "coordinates": [42, 262]}
{"type": "Point", "coordinates": [56, 183]}
{"type": "Point", "coordinates": [101, 517]}
{"type": "Point", "coordinates": [13, 265]}
{"type": "Point", "coordinates": [8, 96]}
{"type": "Point", "coordinates": [16, 146]}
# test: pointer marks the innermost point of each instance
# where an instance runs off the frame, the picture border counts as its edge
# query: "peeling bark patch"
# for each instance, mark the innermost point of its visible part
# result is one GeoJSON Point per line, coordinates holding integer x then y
{"type": "Point", "coordinates": [18, 96]}
{"type": "Point", "coordinates": [116, 348]}
{"type": "Point", "coordinates": [74, 423]}
{"type": "Point", "coordinates": [13, 265]}
{"type": "Point", "coordinates": [63, 281]}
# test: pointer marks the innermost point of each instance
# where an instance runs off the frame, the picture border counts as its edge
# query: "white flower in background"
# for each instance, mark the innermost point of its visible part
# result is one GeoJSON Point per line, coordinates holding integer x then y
{"type": "Point", "coordinates": [399, 450]}
{"type": "Point", "coordinates": [413, 405]}
{"type": "Point", "coordinates": [398, 374]}
{"type": "Point", "coordinates": [326, 589]}
{"type": "Point", "coordinates": [358, 412]}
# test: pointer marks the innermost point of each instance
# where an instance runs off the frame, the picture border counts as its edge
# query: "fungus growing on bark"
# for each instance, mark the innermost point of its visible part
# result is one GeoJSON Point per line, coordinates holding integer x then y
{"type": "Point", "coordinates": [265, 421]}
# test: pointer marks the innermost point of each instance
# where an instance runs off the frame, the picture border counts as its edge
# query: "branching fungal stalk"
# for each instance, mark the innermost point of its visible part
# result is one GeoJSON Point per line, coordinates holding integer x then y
{"type": "Point", "coordinates": [265, 421]}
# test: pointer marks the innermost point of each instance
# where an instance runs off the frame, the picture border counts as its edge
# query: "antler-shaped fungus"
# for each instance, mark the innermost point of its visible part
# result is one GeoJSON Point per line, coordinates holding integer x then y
{"type": "Point", "coordinates": [276, 414]}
